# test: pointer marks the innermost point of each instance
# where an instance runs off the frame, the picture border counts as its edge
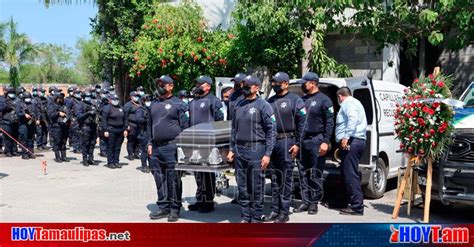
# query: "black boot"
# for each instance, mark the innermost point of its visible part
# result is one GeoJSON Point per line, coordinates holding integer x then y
{"type": "Point", "coordinates": [63, 156]}
{"type": "Point", "coordinates": [84, 162]}
{"type": "Point", "coordinates": [90, 160]}
{"type": "Point", "coordinates": [57, 157]}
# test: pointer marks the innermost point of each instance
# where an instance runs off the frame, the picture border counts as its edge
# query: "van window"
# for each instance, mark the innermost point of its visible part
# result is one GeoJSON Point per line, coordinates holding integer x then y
{"type": "Point", "coordinates": [363, 95]}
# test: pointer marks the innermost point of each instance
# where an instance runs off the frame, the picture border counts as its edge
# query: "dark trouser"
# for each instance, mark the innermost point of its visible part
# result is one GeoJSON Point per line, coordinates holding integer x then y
{"type": "Point", "coordinates": [281, 169]}
{"type": "Point", "coordinates": [250, 180]}
{"type": "Point", "coordinates": [59, 135]}
{"type": "Point", "coordinates": [41, 135]}
{"type": "Point", "coordinates": [167, 179]}
{"type": "Point", "coordinates": [7, 140]}
{"type": "Point", "coordinates": [103, 142]}
{"type": "Point", "coordinates": [143, 140]}
{"type": "Point", "coordinates": [115, 141]}
{"type": "Point", "coordinates": [311, 171]}
{"type": "Point", "coordinates": [88, 139]}
{"type": "Point", "coordinates": [350, 173]}
{"type": "Point", "coordinates": [206, 187]}
{"type": "Point", "coordinates": [75, 137]}
{"type": "Point", "coordinates": [15, 135]}
{"type": "Point", "coordinates": [27, 136]}
{"type": "Point", "coordinates": [132, 141]}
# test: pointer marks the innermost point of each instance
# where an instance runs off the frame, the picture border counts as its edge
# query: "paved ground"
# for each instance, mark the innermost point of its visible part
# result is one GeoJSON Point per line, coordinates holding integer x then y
{"type": "Point", "coordinates": [71, 192]}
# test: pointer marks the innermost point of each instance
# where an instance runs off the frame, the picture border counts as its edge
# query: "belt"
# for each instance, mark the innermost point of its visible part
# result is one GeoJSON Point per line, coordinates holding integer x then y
{"type": "Point", "coordinates": [311, 135]}
{"type": "Point", "coordinates": [357, 138]}
{"type": "Point", "coordinates": [249, 143]}
{"type": "Point", "coordinates": [160, 144]}
{"type": "Point", "coordinates": [285, 135]}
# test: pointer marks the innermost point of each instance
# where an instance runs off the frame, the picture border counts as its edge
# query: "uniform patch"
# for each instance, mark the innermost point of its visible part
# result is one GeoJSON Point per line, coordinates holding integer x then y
{"type": "Point", "coordinates": [303, 111]}
{"type": "Point", "coordinates": [202, 105]}
{"type": "Point", "coordinates": [283, 105]}
{"type": "Point", "coordinates": [252, 110]}
{"type": "Point", "coordinates": [120, 110]}
{"type": "Point", "coordinates": [273, 118]}
{"type": "Point", "coordinates": [186, 114]}
{"type": "Point", "coordinates": [313, 103]}
{"type": "Point", "coordinates": [167, 106]}
{"type": "Point", "coordinates": [331, 109]}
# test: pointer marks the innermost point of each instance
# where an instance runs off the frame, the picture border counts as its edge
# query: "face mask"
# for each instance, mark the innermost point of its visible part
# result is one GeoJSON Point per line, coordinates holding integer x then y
{"type": "Point", "coordinates": [60, 101]}
{"type": "Point", "coordinates": [185, 100]}
{"type": "Point", "coordinates": [198, 91]}
{"type": "Point", "coordinates": [246, 90]}
{"type": "Point", "coordinates": [40, 94]}
{"type": "Point", "coordinates": [303, 87]}
{"type": "Point", "coordinates": [78, 96]}
{"type": "Point", "coordinates": [141, 93]}
{"type": "Point", "coordinates": [148, 104]}
{"type": "Point", "coordinates": [162, 91]}
{"type": "Point", "coordinates": [277, 88]}
{"type": "Point", "coordinates": [237, 86]}
{"type": "Point", "coordinates": [135, 99]}
{"type": "Point", "coordinates": [115, 102]}
{"type": "Point", "coordinates": [11, 96]}
{"type": "Point", "coordinates": [35, 93]}
{"type": "Point", "coordinates": [87, 99]}
{"type": "Point", "coordinates": [103, 96]}
{"type": "Point", "coordinates": [28, 100]}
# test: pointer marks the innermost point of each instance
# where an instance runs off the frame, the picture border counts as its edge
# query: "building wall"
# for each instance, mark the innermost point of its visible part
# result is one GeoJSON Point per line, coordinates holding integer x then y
{"type": "Point", "coordinates": [460, 65]}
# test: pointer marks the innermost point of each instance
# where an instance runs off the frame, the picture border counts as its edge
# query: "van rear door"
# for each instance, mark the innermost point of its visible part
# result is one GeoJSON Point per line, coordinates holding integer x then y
{"type": "Point", "coordinates": [363, 90]}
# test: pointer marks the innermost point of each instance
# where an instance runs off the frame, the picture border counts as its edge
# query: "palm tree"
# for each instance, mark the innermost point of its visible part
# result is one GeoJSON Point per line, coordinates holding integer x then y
{"type": "Point", "coordinates": [16, 49]}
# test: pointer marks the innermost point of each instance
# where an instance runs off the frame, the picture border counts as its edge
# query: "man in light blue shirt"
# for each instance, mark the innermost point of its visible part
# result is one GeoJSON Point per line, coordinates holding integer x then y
{"type": "Point", "coordinates": [351, 125]}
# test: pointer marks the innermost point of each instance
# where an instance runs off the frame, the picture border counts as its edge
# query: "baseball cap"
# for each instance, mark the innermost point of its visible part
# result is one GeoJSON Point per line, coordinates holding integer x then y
{"type": "Point", "coordinates": [280, 77]}
{"type": "Point", "coordinates": [309, 76]}
{"type": "Point", "coordinates": [252, 80]}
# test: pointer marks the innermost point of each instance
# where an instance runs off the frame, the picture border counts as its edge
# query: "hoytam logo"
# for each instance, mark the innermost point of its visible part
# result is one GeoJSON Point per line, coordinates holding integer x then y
{"type": "Point", "coordinates": [75, 234]}
{"type": "Point", "coordinates": [435, 234]}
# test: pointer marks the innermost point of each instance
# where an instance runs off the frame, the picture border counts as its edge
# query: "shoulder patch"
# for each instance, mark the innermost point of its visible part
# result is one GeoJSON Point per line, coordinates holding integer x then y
{"type": "Point", "coordinates": [273, 118]}
{"type": "Point", "coordinates": [331, 109]}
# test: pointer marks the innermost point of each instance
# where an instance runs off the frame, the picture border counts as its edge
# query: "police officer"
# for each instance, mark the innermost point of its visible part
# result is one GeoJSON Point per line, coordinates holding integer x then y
{"type": "Point", "coordinates": [113, 124]}
{"type": "Point", "coordinates": [60, 122]}
{"type": "Point", "coordinates": [42, 128]}
{"type": "Point", "coordinates": [236, 96]}
{"type": "Point", "coordinates": [290, 115]}
{"type": "Point", "coordinates": [9, 120]}
{"type": "Point", "coordinates": [184, 96]}
{"type": "Point", "coordinates": [87, 120]}
{"type": "Point", "coordinates": [102, 102]}
{"type": "Point", "coordinates": [2, 106]}
{"type": "Point", "coordinates": [252, 141]}
{"type": "Point", "coordinates": [141, 91]}
{"type": "Point", "coordinates": [143, 125]}
{"type": "Point", "coordinates": [318, 128]}
{"type": "Point", "coordinates": [71, 102]}
{"type": "Point", "coordinates": [204, 108]}
{"type": "Point", "coordinates": [27, 114]}
{"type": "Point", "coordinates": [129, 110]}
{"type": "Point", "coordinates": [169, 116]}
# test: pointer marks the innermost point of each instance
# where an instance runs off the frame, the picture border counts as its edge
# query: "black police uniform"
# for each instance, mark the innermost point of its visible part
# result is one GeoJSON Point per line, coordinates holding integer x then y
{"type": "Point", "coordinates": [42, 129]}
{"type": "Point", "coordinates": [252, 137]}
{"type": "Point", "coordinates": [9, 123]}
{"type": "Point", "coordinates": [319, 126]}
{"type": "Point", "coordinates": [290, 116]}
{"type": "Point", "coordinates": [74, 140]}
{"type": "Point", "coordinates": [130, 109]}
{"type": "Point", "coordinates": [59, 127]}
{"type": "Point", "coordinates": [168, 118]}
{"type": "Point", "coordinates": [102, 102]}
{"type": "Point", "coordinates": [113, 122]}
{"type": "Point", "coordinates": [87, 118]}
{"type": "Point", "coordinates": [2, 105]}
{"type": "Point", "coordinates": [143, 123]}
{"type": "Point", "coordinates": [204, 109]}
{"type": "Point", "coordinates": [27, 126]}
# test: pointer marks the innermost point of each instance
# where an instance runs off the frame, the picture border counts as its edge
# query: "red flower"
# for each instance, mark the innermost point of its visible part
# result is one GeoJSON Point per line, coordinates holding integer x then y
{"type": "Point", "coordinates": [402, 146]}
{"type": "Point", "coordinates": [414, 114]}
{"type": "Point", "coordinates": [416, 80]}
{"type": "Point", "coordinates": [433, 144]}
{"type": "Point", "coordinates": [199, 39]}
{"type": "Point", "coordinates": [435, 105]}
{"type": "Point", "coordinates": [432, 131]}
{"type": "Point", "coordinates": [139, 73]}
{"type": "Point", "coordinates": [431, 76]}
{"type": "Point", "coordinates": [440, 84]}
{"type": "Point", "coordinates": [432, 92]}
{"type": "Point", "coordinates": [195, 58]}
{"type": "Point", "coordinates": [410, 149]}
{"type": "Point", "coordinates": [426, 135]}
{"type": "Point", "coordinates": [428, 110]}
{"type": "Point", "coordinates": [135, 58]}
{"type": "Point", "coordinates": [411, 128]}
{"type": "Point", "coordinates": [230, 36]}
{"type": "Point", "coordinates": [421, 122]}
{"type": "Point", "coordinates": [192, 54]}
{"type": "Point", "coordinates": [405, 90]}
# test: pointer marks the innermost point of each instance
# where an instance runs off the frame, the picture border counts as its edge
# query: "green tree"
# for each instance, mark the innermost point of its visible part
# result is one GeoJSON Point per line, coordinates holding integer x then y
{"type": "Point", "coordinates": [16, 49]}
{"type": "Point", "coordinates": [87, 62]}
{"type": "Point", "coordinates": [175, 40]}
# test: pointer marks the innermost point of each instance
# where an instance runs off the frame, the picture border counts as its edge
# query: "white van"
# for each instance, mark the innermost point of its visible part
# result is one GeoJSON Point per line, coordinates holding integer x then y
{"type": "Point", "coordinates": [380, 160]}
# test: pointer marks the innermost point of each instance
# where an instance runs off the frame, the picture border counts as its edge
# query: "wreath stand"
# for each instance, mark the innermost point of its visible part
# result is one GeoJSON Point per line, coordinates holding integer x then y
{"type": "Point", "coordinates": [410, 177]}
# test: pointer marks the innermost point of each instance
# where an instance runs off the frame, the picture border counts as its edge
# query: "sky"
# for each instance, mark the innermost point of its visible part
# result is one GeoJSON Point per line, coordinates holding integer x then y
{"type": "Point", "coordinates": [58, 24]}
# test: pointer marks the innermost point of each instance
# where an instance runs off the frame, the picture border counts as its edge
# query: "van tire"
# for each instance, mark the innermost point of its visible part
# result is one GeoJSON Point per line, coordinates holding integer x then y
{"type": "Point", "coordinates": [377, 181]}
